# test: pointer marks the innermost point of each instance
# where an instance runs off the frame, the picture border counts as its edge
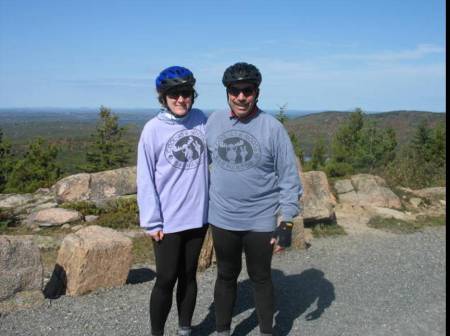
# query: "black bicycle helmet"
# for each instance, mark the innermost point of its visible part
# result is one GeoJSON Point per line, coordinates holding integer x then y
{"type": "Point", "coordinates": [241, 72]}
{"type": "Point", "coordinates": [174, 76]}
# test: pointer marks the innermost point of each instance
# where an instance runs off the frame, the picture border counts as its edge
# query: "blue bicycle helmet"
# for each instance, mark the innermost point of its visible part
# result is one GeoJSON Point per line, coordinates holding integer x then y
{"type": "Point", "coordinates": [174, 76]}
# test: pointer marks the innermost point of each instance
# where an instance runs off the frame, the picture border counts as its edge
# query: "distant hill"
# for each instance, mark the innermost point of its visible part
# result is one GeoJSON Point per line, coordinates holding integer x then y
{"type": "Point", "coordinates": [309, 127]}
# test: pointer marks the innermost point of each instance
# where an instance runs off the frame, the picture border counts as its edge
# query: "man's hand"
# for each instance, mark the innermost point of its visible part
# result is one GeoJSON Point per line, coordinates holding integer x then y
{"type": "Point", "coordinates": [157, 235]}
{"type": "Point", "coordinates": [282, 236]}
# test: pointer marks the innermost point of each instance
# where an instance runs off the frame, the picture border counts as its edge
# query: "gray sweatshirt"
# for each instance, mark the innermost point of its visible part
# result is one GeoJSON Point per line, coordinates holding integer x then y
{"type": "Point", "coordinates": [253, 172]}
{"type": "Point", "coordinates": [172, 173]}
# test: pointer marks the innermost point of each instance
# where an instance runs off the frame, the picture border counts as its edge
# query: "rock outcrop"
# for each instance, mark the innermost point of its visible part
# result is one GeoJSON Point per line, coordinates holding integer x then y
{"type": "Point", "coordinates": [206, 253]}
{"type": "Point", "coordinates": [20, 265]}
{"type": "Point", "coordinates": [53, 217]}
{"type": "Point", "coordinates": [96, 186]}
{"type": "Point", "coordinates": [367, 190]}
{"type": "Point", "coordinates": [73, 188]}
{"type": "Point", "coordinates": [360, 198]}
{"type": "Point", "coordinates": [24, 204]}
{"type": "Point", "coordinates": [92, 258]}
{"type": "Point", "coordinates": [317, 201]}
{"type": "Point", "coordinates": [299, 240]}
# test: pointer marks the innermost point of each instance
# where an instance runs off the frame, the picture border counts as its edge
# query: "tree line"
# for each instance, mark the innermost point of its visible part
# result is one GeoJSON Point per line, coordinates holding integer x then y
{"type": "Point", "coordinates": [358, 146]}
{"type": "Point", "coordinates": [38, 168]}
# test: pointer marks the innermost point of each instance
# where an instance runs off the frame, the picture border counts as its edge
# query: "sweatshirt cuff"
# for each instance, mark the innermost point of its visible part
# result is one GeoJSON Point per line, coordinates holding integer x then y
{"type": "Point", "coordinates": [288, 216]}
{"type": "Point", "coordinates": [154, 228]}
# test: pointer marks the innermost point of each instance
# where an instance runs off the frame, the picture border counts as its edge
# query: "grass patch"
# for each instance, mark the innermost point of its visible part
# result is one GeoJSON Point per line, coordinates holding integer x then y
{"type": "Point", "coordinates": [84, 207]}
{"type": "Point", "coordinates": [143, 250]}
{"type": "Point", "coordinates": [321, 230]}
{"type": "Point", "coordinates": [122, 213]}
{"type": "Point", "coordinates": [124, 204]}
{"type": "Point", "coordinates": [400, 226]}
{"type": "Point", "coordinates": [431, 220]}
{"type": "Point", "coordinates": [393, 225]}
{"type": "Point", "coordinates": [3, 226]}
{"type": "Point", "coordinates": [118, 220]}
{"type": "Point", "coordinates": [7, 221]}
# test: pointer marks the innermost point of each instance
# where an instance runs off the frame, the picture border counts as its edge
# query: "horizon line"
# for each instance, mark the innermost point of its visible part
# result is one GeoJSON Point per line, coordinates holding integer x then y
{"type": "Point", "coordinates": [215, 109]}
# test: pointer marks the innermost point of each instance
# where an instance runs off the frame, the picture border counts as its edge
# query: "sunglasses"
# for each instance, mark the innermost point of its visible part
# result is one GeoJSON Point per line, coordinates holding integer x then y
{"type": "Point", "coordinates": [235, 91]}
{"type": "Point", "coordinates": [183, 93]}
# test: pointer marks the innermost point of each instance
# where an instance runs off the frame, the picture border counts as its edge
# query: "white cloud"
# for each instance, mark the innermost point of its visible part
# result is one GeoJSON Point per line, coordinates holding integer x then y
{"type": "Point", "coordinates": [421, 51]}
{"type": "Point", "coordinates": [110, 82]}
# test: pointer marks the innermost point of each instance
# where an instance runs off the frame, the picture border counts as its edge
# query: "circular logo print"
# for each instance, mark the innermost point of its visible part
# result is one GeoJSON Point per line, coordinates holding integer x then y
{"type": "Point", "coordinates": [185, 148]}
{"type": "Point", "coordinates": [236, 150]}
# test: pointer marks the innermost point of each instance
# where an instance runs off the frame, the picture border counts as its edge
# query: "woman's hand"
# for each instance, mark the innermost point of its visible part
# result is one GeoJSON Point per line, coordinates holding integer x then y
{"type": "Point", "coordinates": [157, 235]}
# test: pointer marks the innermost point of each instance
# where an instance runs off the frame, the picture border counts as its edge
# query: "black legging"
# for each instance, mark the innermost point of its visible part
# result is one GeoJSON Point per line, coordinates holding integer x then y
{"type": "Point", "coordinates": [176, 258]}
{"type": "Point", "coordinates": [258, 255]}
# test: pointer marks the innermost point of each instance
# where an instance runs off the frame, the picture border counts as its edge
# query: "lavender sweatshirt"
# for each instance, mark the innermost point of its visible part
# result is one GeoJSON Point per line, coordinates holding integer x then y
{"type": "Point", "coordinates": [172, 173]}
{"type": "Point", "coordinates": [254, 174]}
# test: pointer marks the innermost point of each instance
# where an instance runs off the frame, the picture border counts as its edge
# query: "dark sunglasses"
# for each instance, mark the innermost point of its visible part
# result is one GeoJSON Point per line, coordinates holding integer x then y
{"type": "Point", "coordinates": [183, 93]}
{"type": "Point", "coordinates": [235, 91]}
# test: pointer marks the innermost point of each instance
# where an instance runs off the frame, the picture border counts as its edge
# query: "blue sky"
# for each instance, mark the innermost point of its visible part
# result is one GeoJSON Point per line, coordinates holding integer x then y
{"type": "Point", "coordinates": [313, 55]}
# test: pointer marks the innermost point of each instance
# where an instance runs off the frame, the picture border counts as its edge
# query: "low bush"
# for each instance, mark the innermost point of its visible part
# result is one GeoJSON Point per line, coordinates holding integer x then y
{"type": "Point", "coordinates": [84, 207]}
{"type": "Point", "coordinates": [321, 230]}
{"type": "Point", "coordinates": [7, 220]}
{"type": "Point", "coordinates": [338, 169]}
{"type": "Point", "coordinates": [118, 220]}
{"type": "Point", "coordinates": [123, 204]}
{"type": "Point", "coordinates": [400, 226]}
{"type": "Point", "coordinates": [121, 213]}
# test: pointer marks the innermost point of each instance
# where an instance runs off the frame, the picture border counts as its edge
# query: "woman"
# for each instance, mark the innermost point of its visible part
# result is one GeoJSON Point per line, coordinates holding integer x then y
{"type": "Point", "coordinates": [172, 189]}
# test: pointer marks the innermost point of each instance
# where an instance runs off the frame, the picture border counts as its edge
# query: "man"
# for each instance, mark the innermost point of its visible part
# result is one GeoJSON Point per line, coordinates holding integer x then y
{"type": "Point", "coordinates": [254, 180]}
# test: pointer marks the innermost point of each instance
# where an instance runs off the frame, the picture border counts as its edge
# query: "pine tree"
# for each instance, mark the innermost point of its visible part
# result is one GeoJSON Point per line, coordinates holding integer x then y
{"type": "Point", "coordinates": [421, 163]}
{"type": "Point", "coordinates": [37, 169]}
{"type": "Point", "coordinates": [318, 154]}
{"type": "Point", "coordinates": [347, 137]}
{"type": "Point", "coordinates": [438, 147]}
{"type": "Point", "coordinates": [6, 160]}
{"type": "Point", "coordinates": [297, 149]}
{"type": "Point", "coordinates": [422, 140]}
{"type": "Point", "coordinates": [376, 147]}
{"type": "Point", "coordinates": [282, 118]}
{"type": "Point", "coordinates": [359, 145]}
{"type": "Point", "coordinates": [108, 149]}
{"type": "Point", "coordinates": [281, 114]}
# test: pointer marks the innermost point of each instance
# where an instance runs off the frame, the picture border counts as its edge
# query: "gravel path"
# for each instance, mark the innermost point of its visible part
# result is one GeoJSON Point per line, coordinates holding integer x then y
{"type": "Point", "coordinates": [367, 284]}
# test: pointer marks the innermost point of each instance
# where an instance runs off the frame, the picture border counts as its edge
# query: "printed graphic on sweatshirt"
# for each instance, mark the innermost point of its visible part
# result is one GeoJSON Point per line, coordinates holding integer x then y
{"type": "Point", "coordinates": [236, 151]}
{"type": "Point", "coordinates": [185, 148]}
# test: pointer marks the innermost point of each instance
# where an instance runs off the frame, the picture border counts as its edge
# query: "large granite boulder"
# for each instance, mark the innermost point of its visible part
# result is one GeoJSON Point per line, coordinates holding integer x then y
{"type": "Point", "coordinates": [431, 194]}
{"type": "Point", "coordinates": [20, 265]}
{"type": "Point", "coordinates": [113, 183]}
{"type": "Point", "coordinates": [73, 188]}
{"type": "Point", "coordinates": [299, 240]}
{"type": "Point", "coordinates": [92, 258]}
{"type": "Point", "coordinates": [97, 186]}
{"type": "Point", "coordinates": [24, 204]}
{"type": "Point", "coordinates": [10, 201]}
{"type": "Point", "coordinates": [368, 191]}
{"type": "Point", "coordinates": [53, 217]}
{"type": "Point", "coordinates": [392, 213]}
{"type": "Point", "coordinates": [317, 201]}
